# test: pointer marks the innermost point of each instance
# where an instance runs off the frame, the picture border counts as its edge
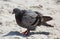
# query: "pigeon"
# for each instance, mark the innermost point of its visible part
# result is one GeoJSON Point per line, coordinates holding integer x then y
{"type": "Point", "coordinates": [30, 19]}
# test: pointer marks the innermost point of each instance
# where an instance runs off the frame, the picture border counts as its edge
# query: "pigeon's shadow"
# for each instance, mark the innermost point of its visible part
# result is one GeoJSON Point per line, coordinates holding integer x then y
{"type": "Point", "coordinates": [12, 33]}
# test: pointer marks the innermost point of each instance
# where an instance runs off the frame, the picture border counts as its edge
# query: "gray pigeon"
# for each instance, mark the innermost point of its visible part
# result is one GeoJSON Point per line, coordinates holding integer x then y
{"type": "Point", "coordinates": [30, 19]}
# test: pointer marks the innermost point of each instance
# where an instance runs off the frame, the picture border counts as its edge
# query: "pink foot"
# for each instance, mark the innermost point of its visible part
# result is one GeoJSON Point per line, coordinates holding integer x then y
{"type": "Point", "coordinates": [26, 32]}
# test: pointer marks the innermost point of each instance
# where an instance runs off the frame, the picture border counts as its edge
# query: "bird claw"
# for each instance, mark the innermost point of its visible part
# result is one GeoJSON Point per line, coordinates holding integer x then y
{"type": "Point", "coordinates": [26, 32]}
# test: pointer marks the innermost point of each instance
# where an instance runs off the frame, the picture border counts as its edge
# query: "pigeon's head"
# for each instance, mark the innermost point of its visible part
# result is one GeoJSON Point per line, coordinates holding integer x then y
{"type": "Point", "coordinates": [16, 10]}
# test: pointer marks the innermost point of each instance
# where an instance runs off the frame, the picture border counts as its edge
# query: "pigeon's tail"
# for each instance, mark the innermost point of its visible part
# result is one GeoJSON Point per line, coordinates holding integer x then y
{"type": "Point", "coordinates": [47, 18]}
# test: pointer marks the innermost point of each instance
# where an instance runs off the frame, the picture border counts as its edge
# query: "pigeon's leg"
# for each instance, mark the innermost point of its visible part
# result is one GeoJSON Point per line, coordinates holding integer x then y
{"type": "Point", "coordinates": [26, 32]}
{"type": "Point", "coordinates": [48, 25]}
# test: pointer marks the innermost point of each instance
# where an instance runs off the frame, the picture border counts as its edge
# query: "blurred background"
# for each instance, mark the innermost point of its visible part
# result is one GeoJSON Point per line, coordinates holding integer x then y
{"type": "Point", "coordinates": [45, 7]}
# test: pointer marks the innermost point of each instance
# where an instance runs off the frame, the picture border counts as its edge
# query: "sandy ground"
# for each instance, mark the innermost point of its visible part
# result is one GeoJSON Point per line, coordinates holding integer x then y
{"type": "Point", "coordinates": [9, 27]}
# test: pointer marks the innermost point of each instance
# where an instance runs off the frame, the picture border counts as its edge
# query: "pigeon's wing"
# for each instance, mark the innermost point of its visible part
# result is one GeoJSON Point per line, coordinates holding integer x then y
{"type": "Point", "coordinates": [28, 19]}
{"type": "Point", "coordinates": [39, 17]}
